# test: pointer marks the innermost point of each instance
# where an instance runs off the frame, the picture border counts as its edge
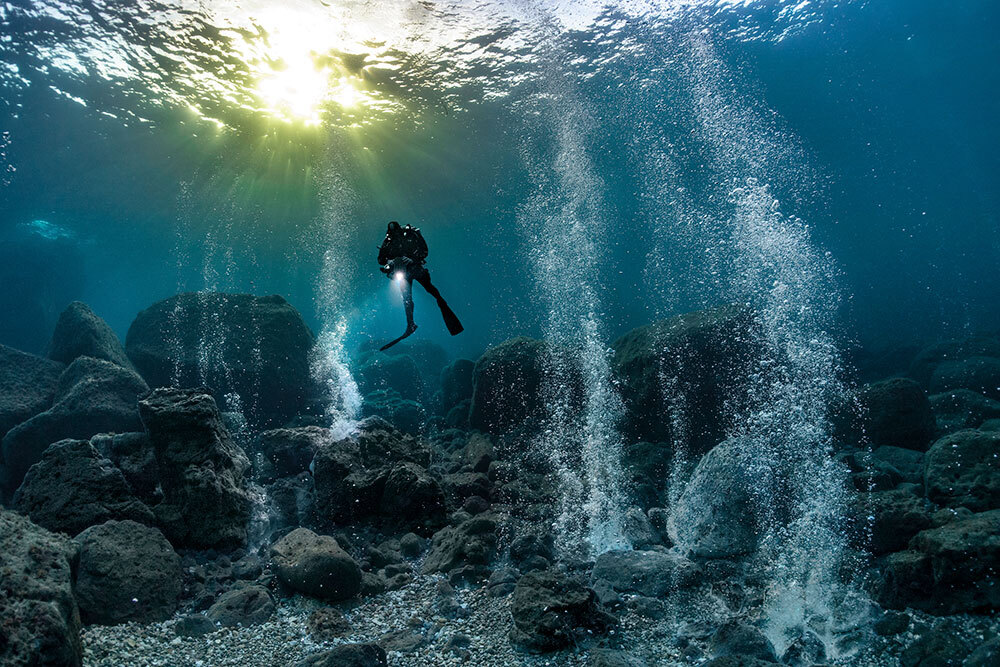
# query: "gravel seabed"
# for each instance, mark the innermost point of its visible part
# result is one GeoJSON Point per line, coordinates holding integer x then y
{"type": "Point", "coordinates": [284, 639]}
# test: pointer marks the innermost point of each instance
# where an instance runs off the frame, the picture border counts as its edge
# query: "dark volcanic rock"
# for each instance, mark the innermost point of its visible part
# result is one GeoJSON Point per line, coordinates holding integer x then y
{"type": "Point", "coordinates": [133, 454]}
{"type": "Point", "coordinates": [899, 514]}
{"type": "Point", "coordinates": [472, 542]}
{"type": "Point", "coordinates": [735, 638]}
{"type": "Point", "coordinates": [127, 572]}
{"type": "Point", "coordinates": [907, 462]}
{"type": "Point", "coordinates": [980, 374]}
{"type": "Point", "coordinates": [947, 570]}
{"type": "Point", "coordinates": [259, 348]}
{"type": "Point", "coordinates": [962, 408]}
{"type": "Point", "coordinates": [711, 520]}
{"type": "Point", "coordinates": [704, 354]}
{"type": "Point", "coordinates": [74, 487]}
{"type": "Point", "coordinates": [326, 624]}
{"type": "Point", "coordinates": [205, 504]}
{"type": "Point", "coordinates": [39, 620]}
{"type": "Point", "coordinates": [928, 359]}
{"type": "Point", "coordinates": [407, 415]}
{"type": "Point", "coordinates": [456, 382]}
{"type": "Point", "coordinates": [963, 470]}
{"type": "Point", "coordinates": [288, 451]}
{"type": "Point", "coordinates": [552, 611]}
{"type": "Point", "coordinates": [81, 333]}
{"type": "Point", "coordinates": [649, 573]}
{"type": "Point", "coordinates": [194, 625]}
{"type": "Point", "coordinates": [348, 655]}
{"type": "Point", "coordinates": [411, 495]}
{"type": "Point", "coordinates": [396, 372]}
{"type": "Point", "coordinates": [897, 414]}
{"type": "Point", "coordinates": [507, 385]}
{"type": "Point", "coordinates": [92, 396]}
{"type": "Point", "coordinates": [315, 565]}
{"type": "Point", "coordinates": [244, 606]}
{"type": "Point", "coordinates": [27, 386]}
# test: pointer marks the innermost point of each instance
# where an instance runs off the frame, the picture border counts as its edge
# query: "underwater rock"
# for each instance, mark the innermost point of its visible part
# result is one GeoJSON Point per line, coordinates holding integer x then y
{"type": "Point", "coordinates": [406, 415]}
{"type": "Point", "coordinates": [39, 619]}
{"type": "Point", "coordinates": [256, 347]}
{"type": "Point", "coordinates": [91, 397]}
{"type": "Point", "coordinates": [736, 638]}
{"type": "Point", "coordinates": [899, 514]}
{"type": "Point", "coordinates": [242, 607]}
{"type": "Point", "coordinates": [907, 462]}
{"type": "Point", "coordinates": [473, 542]}
{"type": "Point", "coordinates": [27, 386]}
{"type": "Point", "coordinates": [73, 487]}
{"type": "Point", "coordinates": [962, 408]}
{"type": "Point", "coordinates": [326, 624]}
{"type": "Point", "coordinates": [205, 504]}
{"type": "Point", "coordinates": [552, 611]}
{"type": "Point", "coordinates": [293, 500]}
{"type": "Point", "coordinates": [348, 655]}
{"type": "Point", "coordinates": [287, 452]}
{"type": "Point", "coordinates": [456, 382]}
{"type": "Point", "coordinates": [704, 353]}
{"type": "Point", "coordinates": [650, 573]}
{"type": "Point", "coordinates": [961, 470]}
{"type": "Point", "coordinates": [350, 474]}
{"type": "Point", "coordinates": [648, 465]}
{"type": "Point", "coordinates": [980, 374]}
{"type": "Point", "coordinates": [460, 486]}
{"type": "Point", "coordinates": [194, 625]}
{"type": "Point", "coordinates": [315, 565]}
{"type": "Point", "coordinates": [134, 455]}
{"type": "Point", "coordinates": [412, 497]}
{"type": "Point", "coordinates": [507, 385]}
{"type": "Point", "coordinates": [935, 646]}
{"type": "Point", "coordinates": [605, 657]}
{"type": "Point", "coordinates": [947, 570]}
{"type": "Point", "coordinates": [986, 654]}
{"type": "Point", "coordinates": [81, 333]}
{"type": "Point", "coordinates": [396, 372]}
{"type": "Point", "coordinates": [714, 516]}
{"type": "Point", "coordinates": [127, 572]}
{"type": "Point", "coordinates": [927, 360]}
{"type": "Point", "coordinates": [897, 414]}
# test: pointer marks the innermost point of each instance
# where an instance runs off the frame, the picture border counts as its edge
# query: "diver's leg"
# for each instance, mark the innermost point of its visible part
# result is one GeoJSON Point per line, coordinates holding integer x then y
{"type": "Point", "coordinates": [406, 287]}
{"type": "Point", "coordinates": [424, 278]}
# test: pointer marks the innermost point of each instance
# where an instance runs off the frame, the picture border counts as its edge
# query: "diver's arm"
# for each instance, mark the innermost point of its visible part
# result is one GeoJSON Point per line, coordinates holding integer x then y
{"type": "Point", "coordinates": [421, 245]}
{"type": "Point", "coordinates": [383, 254]}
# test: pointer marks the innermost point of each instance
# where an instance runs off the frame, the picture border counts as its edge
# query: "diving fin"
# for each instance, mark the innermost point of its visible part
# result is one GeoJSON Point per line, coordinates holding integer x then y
{"type": "Point", "coordinates": [450, 319]}
{"type": "Point", "coordinates": [392, 342]}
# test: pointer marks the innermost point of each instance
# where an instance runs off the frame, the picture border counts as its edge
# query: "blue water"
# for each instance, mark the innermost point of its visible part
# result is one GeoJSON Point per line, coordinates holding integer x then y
{"type": "Point", "coordinates": [884, 111]}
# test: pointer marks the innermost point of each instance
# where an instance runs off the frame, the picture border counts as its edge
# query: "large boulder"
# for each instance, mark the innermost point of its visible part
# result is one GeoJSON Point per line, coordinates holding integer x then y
{"type": "Point", "coordinates": [81, 333]}
{"type": "Point", "coordinates": [350, 474]}
{"type": "Point", "coordinates": [407, 415]}
{"type": "Point", "coordinates": [127, 572]}
{"type": "Point", "coordinates": [92, 396]}
{"type": "Point", "coordinates": [897, 414]}
{"type": "Point", "coordinates": [255, 346]}
{"type": "Point", "coordinates": [243, 606]}
{"type": "Point", "coordinates": [963, 470]}
{"type": "Point", "coordinates": [473, 542]}
{"type": "Point", "coordinates": [980, 374]}
{"type": "Point", "coordinates": [686, 365]}
{"type": "Point", "coordinates": [962, 408]}
{"type": "Point", "coordinates": [316, 566]}
{"type": "Point", "coordinates": [714, 517]}
{"type": "Point", "coordinates": [927, 360]}
{"type": "Point", "coordinates": [507, 385]}
{"type": "Point", "coordinates": [74, 487]}
{"type": "Point", "coordinates": [396, 372]}
{"type": "Point", "coordinates": [27, 386]}
{"type": "Point", "coordinates": [648, 573]}
{"type": "Point", "coordinates": [286, 452]}
{"type": "Point", "coordinates": [205, 502]}
{"type": "Point", "coordinates": [348, 655]}
{"type": "Point", "coordinates": [411, 496]}
{"type": "Point", "coordinates": [39, 619]}
{"type": "Point", "coordinates": [552, 611]}
{"type": "Point", "coordinates": [456, 382]}
{"type": "Point", "coordinates": [133, 454]}
{"type": "Point", "coordinates": [947, 570]}
{"type": "Point", "coordinates": [897, 515]}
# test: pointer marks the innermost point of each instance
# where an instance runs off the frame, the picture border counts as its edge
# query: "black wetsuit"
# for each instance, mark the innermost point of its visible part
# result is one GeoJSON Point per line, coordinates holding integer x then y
{"type": "Point", "coordinates": [404, 251]}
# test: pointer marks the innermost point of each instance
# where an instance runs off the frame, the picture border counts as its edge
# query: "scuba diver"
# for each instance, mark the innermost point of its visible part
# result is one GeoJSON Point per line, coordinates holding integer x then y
{"type": "Point", "coordinates": [401, 258]}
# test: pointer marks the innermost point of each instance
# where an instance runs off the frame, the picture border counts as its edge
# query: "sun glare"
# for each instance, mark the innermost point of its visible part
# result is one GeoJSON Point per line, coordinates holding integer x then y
{"type": "Point", "coordinates": [295, 90]}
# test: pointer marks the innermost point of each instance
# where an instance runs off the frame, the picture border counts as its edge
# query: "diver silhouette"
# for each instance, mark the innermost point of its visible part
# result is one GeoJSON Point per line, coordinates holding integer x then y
{"type": "Point", "coordinates": [401, 258]}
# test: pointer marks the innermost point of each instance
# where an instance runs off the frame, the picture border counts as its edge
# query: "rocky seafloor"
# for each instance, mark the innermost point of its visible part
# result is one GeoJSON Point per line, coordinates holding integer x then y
{"type": "Point", "coordinates": [187, 498]}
